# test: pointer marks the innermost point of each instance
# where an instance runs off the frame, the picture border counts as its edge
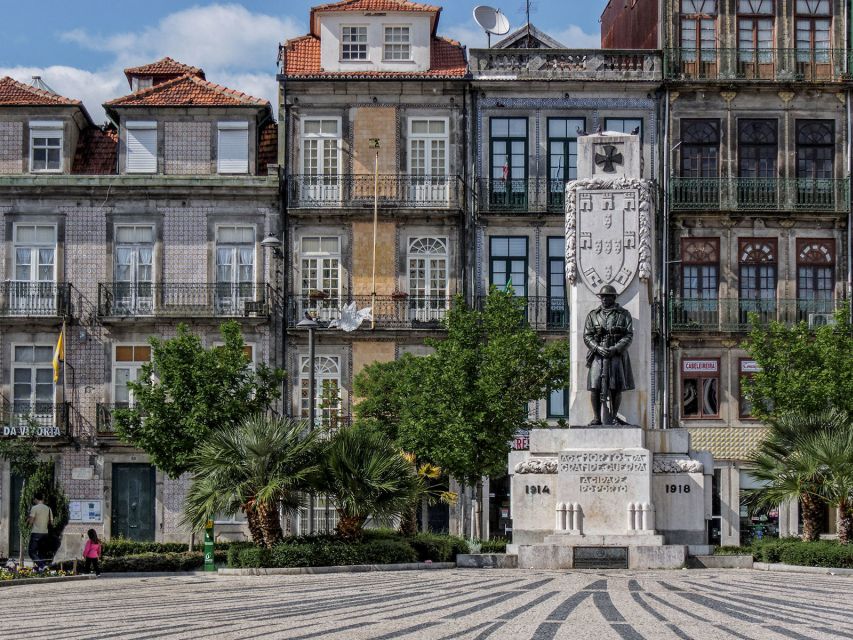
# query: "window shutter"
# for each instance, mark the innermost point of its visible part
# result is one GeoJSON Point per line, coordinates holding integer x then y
{"type": "Point", "coordinates": [233, 155]}
{"type": "Point", "coordinates": [142, 147]}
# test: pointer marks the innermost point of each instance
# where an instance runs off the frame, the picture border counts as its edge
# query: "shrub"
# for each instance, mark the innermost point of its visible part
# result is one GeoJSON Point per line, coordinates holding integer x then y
{"type": "Point", "coordinates": [233, 553]}
{"type": "Point", "coordinates": [457, 545]}
{"type": "Point", "coordinates": [387, 552]}
{"type": "Point", "coordinates": [818, 554]}
{"type": "Point", "coordinates": [123, 547]}
{"type": "Point", "coordinates": [771, 550]}
{"type": "Point", "coordinates": [496, 545]}
{"type": "Point", "coordinates": [429, 546]}
{"type": "Point", "coordinates": [254, 557]}
{"type": "Point", "coordinates": [733, 551]}
{"type": "Point", "coordinates": [143, 562]}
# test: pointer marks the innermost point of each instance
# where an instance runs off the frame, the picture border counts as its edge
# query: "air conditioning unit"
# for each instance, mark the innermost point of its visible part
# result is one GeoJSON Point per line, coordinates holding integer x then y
{"type": "Point", "coordinates": [820, 320]}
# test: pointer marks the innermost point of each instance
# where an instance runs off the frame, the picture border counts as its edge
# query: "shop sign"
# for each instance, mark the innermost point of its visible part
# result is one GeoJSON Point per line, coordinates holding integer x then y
{"type": "Point", "coordinates": [31, 432]}
{"type": "Point", "coordinates": [700, 366]}
{"type": "Point", "coordinates": [749, 366]}
{"type": "Point", "coordinates": [521, 441]}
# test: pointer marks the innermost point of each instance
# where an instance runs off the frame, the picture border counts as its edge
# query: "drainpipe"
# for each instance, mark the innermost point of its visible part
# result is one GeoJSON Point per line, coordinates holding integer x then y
{"type": "Point", "coordinates": [849, 211]}
{"type": "Point", "coordinates": [665, 264]}
{"type": "Point", "coordinates": [463, 197]}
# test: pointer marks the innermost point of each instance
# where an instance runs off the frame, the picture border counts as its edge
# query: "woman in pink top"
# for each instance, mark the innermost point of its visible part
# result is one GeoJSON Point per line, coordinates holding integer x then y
{"type": "Point", "coordinates": [92, 553]}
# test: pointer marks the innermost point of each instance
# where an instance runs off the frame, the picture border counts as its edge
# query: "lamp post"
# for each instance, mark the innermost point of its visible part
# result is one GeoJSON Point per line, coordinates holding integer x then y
{"type": "Point", "coordinates": [374, 144]}
{"type": "Point", "coordinates": [309, 323]}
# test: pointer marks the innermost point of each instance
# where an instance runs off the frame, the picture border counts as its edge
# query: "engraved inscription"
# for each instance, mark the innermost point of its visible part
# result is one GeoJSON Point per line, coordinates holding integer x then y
{"type": "Point", "coordinates": [600, 462]}
{"type": "Point", "coordinates": [604, 484]}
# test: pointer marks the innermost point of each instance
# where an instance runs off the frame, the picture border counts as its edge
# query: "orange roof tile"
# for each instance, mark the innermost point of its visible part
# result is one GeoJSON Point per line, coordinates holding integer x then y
{"type": "Point", "coordinates": [187, 91]}
{"type": "Point", "coordinates": [302, 59]}
{"type": "Point", "coordinates": [96, 151]}
{"type": "Point", "coordinates": [374, 5]}
{"type": "Point", "coordinates": [164, 67]}
{"type": "Point", "coordinates": [14, 93]}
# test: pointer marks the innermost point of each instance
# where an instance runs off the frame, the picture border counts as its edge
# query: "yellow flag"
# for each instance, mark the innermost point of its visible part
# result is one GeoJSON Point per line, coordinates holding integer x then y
{"type": "Point", "coordinates": [58, 354]}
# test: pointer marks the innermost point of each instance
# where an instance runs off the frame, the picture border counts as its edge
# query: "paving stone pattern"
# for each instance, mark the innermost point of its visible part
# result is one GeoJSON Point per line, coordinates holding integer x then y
{"type": "Point", "coordinates": [439, 605]}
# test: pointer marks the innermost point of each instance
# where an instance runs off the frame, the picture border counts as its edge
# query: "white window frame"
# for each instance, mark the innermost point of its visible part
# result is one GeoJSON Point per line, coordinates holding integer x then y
{"type": "Point", "coordinates": [230, 127]}
{"type": "Point", "coordinates": [33, 246]}
{"type": "Point", "coordinates": [134, 304]}
{"type": "Point", "coordinates": [432, 305]}
{"type": "Point", "coordinates": [336, 377]}
{"type": "Point", "coordinates": [141, 125]}
{"type": "Point", "coordinates": [430, 136]}
{"type": "Point", "coordinates": [407, 43]}
{"type": "Point", "coordinates": [47, 129]}
{"type": "Point", "coordinates": [365, 44]}
{"type": "Point", "coordinates": [321, 186]}
{"type": "Point", "coordinates": [233, 305]}
{"type": "Point", "coordinates": [327, 308]}
{"type": "Point", "coordinates": [134, 365]}
{"type": "Point", "coordinates": [138, 83]}
{"type": "Point", "coordinates": [40, 418]}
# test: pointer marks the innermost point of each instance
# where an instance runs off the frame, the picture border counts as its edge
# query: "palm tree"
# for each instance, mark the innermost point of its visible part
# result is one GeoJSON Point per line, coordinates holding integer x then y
{"type": "Point", "coordinates": [786, 470]}
{"type": "Point", "coordinates": [366, 476]}
{"type": "Point", "coordinates": [258, 467]}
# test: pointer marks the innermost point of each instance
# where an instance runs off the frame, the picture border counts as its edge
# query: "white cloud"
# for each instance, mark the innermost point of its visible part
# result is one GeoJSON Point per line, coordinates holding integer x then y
{"type": "Point", "coordinates": [471, 37]}
{"type": "Point", "coordinates": [576, 38]}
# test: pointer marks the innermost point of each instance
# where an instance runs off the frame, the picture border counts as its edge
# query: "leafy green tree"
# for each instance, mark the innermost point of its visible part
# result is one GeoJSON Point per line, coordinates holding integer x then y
{"type": "Point", "coordinates": [258, 467]}
{"type": "Point", "coordinates": [188, 391]}
{"type": "Point", "coordinates": [366, 475]}
{"type": "Point", "coordinates": [800, 369]}
{"type": "Point", "coordinates": [460, 406]}
{"type": "Point", "coordinates": [803, 458]}
{"type": "Point", "coordinates": [42, 480]}
{"type": "Point", "coordinates": [22, 455]}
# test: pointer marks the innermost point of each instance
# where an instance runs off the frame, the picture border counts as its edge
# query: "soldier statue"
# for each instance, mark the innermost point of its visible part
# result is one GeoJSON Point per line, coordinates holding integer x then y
{"type": "Point", "coordinates": [607, 334]}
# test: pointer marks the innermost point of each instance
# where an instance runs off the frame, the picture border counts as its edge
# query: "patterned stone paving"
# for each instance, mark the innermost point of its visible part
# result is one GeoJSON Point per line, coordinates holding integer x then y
{"type": "Point", "coordinates": [439, 605]}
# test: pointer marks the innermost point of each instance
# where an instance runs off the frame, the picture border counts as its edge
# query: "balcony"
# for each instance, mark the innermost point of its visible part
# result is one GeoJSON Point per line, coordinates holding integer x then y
{"type": "Point", "coordinates": [357, 191]}
{"type": "Point", "coordinates": [389, 312]}
{"type": "Point", "coordinates": [759, 194]}
{"type": "Point", "coordinates": [565, 64]}
{"type": "Point", "coordinates": [146, 299]}
{"type": "Point", "coordinates": [25, 299]}
{"type": "Point", "coordinates": [34, 418]}
{"type": "Point", "coordinates": [521, 196]}
{"type": "Point", "coordinates": [757, 65]}
{"type": "Point", "coordinates": [542, 313]}
{"type": "Point", "coordinates": [733, 315]}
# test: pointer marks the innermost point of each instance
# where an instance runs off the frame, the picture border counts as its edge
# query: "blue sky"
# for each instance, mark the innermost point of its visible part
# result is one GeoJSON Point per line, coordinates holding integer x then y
{"type": "Point", "coordinates": [80, 48]}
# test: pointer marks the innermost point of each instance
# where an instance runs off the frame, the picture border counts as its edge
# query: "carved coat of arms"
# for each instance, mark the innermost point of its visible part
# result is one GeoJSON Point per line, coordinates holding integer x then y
{"type": "Point", "coordinates": [608, 238]}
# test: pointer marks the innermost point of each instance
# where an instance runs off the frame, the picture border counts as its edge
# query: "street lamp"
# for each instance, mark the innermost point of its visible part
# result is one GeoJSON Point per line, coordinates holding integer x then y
{"type": "Point", "coordinates": [374, 144]}
{"type": "Point", "coordinates": [310, 323]}
{"type": "Point", "coordinates": [271, 242]}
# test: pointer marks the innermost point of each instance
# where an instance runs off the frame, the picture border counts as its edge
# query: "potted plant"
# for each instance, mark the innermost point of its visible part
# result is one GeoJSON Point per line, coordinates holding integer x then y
{"type": "Point", "coordinates": [317, 294]}
{"type": "Point", "coordinates": [399, 295]}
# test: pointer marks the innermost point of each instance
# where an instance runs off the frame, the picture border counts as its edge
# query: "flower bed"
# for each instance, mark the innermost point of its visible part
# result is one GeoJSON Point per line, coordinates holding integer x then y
{"type": "Point", "coordinates": [8, 573]}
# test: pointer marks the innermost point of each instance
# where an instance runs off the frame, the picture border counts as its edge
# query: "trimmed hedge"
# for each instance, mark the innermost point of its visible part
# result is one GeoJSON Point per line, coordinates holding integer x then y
{"type": "Point", "coordinates": [823, 553]}
{"type": "Point", "coordinates": [496, 545]}
{"type": "Point", "coordinates": [121, 547]}
{"type": "Point", "coordinates": [144, 562]}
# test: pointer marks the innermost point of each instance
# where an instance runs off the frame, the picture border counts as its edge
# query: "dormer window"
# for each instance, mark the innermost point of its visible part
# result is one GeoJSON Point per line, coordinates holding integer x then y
{"type": "Point", "coordinates": [397, 44]}
{"type": "Point", "coordinates": [141, 82]}
{"type": "Point", "coordinates": [354, 43]}
{"type": "Point", "coordinates": [45, 146]}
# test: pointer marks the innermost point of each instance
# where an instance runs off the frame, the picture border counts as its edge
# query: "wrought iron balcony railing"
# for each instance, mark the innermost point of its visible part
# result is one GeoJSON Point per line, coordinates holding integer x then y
{"type": "Point", "coordinates": [757, 64]}
{"type": "Point", "coordinates": [759, 194]}
{"type": "Point", "coordinates": [390, 312]}
{"type": "Point", "coordinates": [542, 313]}
{"type": "Point", "coordinates": [223, 300]}
{"type": "Point", "coordinates": [25, 299]}
{"type": "Point", "coordinates": [728, 314]}
{"type": "Point", "coordinates": [521, 195]}
{"type": "Point", "coordinates": [34, 418]}
{"type": "Point", "coordinates": [338, 191]}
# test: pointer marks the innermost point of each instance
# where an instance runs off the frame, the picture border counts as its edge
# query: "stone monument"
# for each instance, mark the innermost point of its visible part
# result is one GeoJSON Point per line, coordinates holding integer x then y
{"type": "Point", "coordinates": [617, 494]}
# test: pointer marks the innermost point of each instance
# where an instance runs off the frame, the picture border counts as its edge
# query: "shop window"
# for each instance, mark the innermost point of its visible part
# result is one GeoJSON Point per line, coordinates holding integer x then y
{"type": "Point", "coordinates": [700, 388]}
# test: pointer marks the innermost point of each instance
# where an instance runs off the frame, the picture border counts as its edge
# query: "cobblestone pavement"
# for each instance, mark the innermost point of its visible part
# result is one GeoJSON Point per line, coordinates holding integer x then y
{"type": "Point", "coordinates": [464, 604]}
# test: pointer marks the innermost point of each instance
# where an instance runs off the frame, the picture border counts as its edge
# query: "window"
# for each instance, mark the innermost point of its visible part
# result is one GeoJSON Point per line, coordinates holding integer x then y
{"type": "Point", "coordinates": [508, 263]}
{"type": "Point", "coordinates": [427, 260]}
{"type": "Point", "coordinates": [320, 277]}
{"type": "Point", "coordinates": [133, 290]}
{"type": "Point", "coordinates": [46, 146]}
{"type": "Point", "coordinates": [327, 395]}
{"type": "Point", "coordinates": [700, 388]}
{"type": "Point", "coordinates": [127, 365]}
{"type": "Point", "coordinates": [508, 162]}
{"type": "Point", "coordinates": [815, 277]}
{"type": "Point", "coordinates": [758, 149]}
{"type": "Point", "coordinates": [235, 269]}
{"type": "Point", "coordinates": [757, 278]}
{"type": "Point", "coordinates": [698, 30]}
{"type": "Point", "coordinates": [624, 125]}
{"type": "Point", "coordinates": [747, 369]}
{"type": "Point", "coordinates": [321, 159]}
{"type": "Point", "coordinates": [755, 36]}
{"type": "Point", "coordinates": [353, 43]}
{"type": "Point", "coordinates": [815, 163]}
{"type": "Point", "coordinates": [34, 290]}
{"type": "Point", "coordinates": [141, 82]}
{"type": "Point", "coordinates": [558, 403]}
{"type": "Point", "coordinates": [700, 267]}
{"type": "Point", "coordinates": [562, 156]}
{"type": "Point", "coordinates": [428, 159]}
{"type": "Point", "coordinates": [814, 19]}
{"type": "Point", "coordinates": [700, 148]}
{"type": "Point", "coordinates": [233, 154]}
{"type": "Point", "coordinates": [141, 145]}
{"type": "Point", "coordinates": [557, 301]}
{"type": "Point", "coordinates": [397, 44]}
{"type": "Point", "coordinates": [237, 518]}
{"type": "Point", "coordinates": [32, 384]}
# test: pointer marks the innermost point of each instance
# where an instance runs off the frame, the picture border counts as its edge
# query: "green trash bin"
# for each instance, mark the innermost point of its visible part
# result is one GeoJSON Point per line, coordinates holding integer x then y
{"type": "Point", "coordinates": [209, 564]}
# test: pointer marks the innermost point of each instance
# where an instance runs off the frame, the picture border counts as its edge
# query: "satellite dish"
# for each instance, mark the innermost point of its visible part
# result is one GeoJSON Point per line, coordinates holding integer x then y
{"type": "Point", "coordinates": [492, 21]}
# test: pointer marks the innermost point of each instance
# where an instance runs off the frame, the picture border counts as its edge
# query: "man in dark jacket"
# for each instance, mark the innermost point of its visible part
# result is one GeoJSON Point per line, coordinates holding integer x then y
{"type": "Point", "coordinates": [608, 332]}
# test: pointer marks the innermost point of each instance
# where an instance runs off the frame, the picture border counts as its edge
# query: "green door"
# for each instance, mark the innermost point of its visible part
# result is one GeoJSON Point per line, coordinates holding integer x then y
{"type": "Point", "coordinates": [133, 501]}
{"type": "Point", "coordinates": [17, 483]}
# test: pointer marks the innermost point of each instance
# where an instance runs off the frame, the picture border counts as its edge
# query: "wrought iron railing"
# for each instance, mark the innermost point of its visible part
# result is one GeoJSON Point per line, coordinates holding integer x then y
{"type": "Point", "coordinates": [521, 195]}
{"type": "Point", "coordinates": [542, 313]}
{"type": "Point", "coordinates": [396, 312]}
{"type": "Point", "coordinates": [358, 190]}
{"type": "Point", "coordinates": [34, 418]}
{"type": "Point", "coordinates": [759, 194]}
{"type": "Point", "coordinates": [139, 299]}
{"type": "Point", "coordinates": [26, 299]}
{"type": "Point", "coordinates": [757, 64]}
{"type": "Point", "coordinates": [731, 314]}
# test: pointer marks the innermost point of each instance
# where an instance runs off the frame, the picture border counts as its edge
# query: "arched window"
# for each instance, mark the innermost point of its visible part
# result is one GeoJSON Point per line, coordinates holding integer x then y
{"type": "Point", "coordinates": [815, 276]}
{"type": "Point", "coordinates": [427, 264]}
{"type": "Point", "coordinates": [327, 390]}
{"type": "Point", "coordinates": [700, 148]}
{"type": "Point", "coordinates": [700, 271]}
{"type": "Point", "coordinates": [757, 148]}
{"type": "Point", "coordinates": [757, 278]}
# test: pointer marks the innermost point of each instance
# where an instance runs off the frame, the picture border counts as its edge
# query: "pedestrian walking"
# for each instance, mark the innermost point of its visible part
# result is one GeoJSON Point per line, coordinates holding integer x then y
{"type": "Point", "coordinates": [92, 553]}
{"type": "Point", "coordinates": [40, 518]}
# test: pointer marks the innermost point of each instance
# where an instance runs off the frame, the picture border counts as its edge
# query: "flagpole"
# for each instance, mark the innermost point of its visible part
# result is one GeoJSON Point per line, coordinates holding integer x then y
{"type": "Point", "coordinates": [64, 358]}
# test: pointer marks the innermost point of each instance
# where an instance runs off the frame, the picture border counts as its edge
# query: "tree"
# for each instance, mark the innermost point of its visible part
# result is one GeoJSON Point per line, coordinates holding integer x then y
{"type": "Point", "coordinates": [187, 391]}
{"type": "Point", "coordinates": [800, 369]}
{"type": "Point", "coordinates": [460, 406]}
{"type": "Point", "coordinates": [367, 476]}
{"type": "Point", "coordinates": [42, 481]}
{"type": "Point", "coordinates": [257, 467]}
{"type": "Point", "coordinates": [795, 460]}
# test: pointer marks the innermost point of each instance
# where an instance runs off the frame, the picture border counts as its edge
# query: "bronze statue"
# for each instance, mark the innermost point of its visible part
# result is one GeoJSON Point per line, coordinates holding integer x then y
{"type": "Point", "coordinates": [608, 332]}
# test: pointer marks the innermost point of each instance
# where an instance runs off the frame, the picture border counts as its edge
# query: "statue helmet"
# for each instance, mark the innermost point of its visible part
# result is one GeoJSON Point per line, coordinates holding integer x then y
{"type": "Point", "coordinates": [607, 290]}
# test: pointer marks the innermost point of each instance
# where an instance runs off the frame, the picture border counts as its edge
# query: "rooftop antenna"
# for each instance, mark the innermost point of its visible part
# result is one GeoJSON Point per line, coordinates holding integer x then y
{"type": "Point", "coordinates": [492, 21]}
{"type": "Point", "coordinates": [528, 6]}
